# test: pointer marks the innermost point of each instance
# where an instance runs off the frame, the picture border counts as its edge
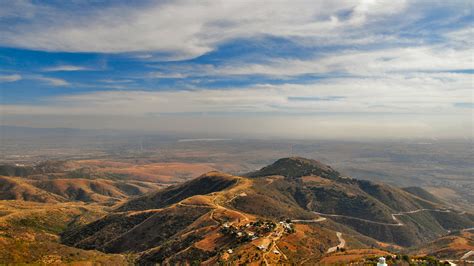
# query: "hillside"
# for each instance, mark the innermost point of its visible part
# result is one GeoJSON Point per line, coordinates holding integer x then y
{"type": "Point", "coordinates": [383, 212]}
{"type": "Point", "coordinates": [455, 246]}
{"type": "Point", "coordinates": [19, 189]}
{"type": "Point", "coordinates": [205, 184]}
{"type": "Point", "coordinates": [72, 189]}
{"type": "Point", "coordinates": [98, 190]}
{"type": "Point", "coordinates": [295, 208]}
{"type": "Point", "coordinates": [420, 192]}
{"type": "Point", "coordinates": [29, 234]}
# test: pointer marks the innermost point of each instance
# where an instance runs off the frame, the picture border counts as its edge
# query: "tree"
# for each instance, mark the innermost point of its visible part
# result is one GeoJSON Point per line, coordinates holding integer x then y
{"type": "Point", "coordinates": [406, 258]}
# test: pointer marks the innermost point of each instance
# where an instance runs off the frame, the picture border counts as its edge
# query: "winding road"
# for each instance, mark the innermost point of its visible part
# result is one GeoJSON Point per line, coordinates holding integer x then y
{"type": "Point", "coordinates": [342, 243]}
{"type": "Point", "coordinates": [397, 221]}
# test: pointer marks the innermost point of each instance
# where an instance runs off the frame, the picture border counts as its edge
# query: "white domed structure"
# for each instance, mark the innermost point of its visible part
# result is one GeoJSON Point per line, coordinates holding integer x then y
{"type": "Point", "coordinates": [381, 262]}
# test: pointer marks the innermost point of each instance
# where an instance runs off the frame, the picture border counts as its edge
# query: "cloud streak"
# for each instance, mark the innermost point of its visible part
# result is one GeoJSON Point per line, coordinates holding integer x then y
{"type": "Point", "coordinates": [316, 67]}
{"type": "Point", "coordinates": [10, 78]}
{"type": "Point", "coordinates": [57, 82]}
{"type": "Point", "coordinates": [394, 94]}
{"type": "Point", "coordinates": [186, 29]}
{"type": "Point", "coordinates": [65, 68]}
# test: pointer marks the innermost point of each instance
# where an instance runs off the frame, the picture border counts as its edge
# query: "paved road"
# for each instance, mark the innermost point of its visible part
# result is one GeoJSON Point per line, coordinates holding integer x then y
{"type": "Point", "coordinates": [360, 219]}
{"type": "Point", "coordinates": [395, 219]}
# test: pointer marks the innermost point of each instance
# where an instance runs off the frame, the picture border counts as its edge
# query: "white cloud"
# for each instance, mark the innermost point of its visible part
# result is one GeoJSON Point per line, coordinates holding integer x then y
{"type": "Point", "coordinates": [463, 37]}
{"type": "Point", "coordinates": [189, 28]}
{"type": "Point", "coordinates": [10, 78]}
{"type": "Point", "coordinates": [65, 68]}
{"type": "Point", "coordinates": [175, 75]}
{"type": "Point", "coordinates": [367, 63]}
{"type": "Point", "coordinates": [424, 92]}
{"type": "Point", "coordinates": [116, 81]}
{"type": "Point", "coordinates": [393, 85]}
{"type": "Point", "coordinates": [53, 81]}
{"type": "Point", "coordinates": [389, 106]}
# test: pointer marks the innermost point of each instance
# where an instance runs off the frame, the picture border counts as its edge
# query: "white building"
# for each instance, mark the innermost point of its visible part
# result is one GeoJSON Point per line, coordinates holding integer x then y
{"type": "Point", "coordinates": [381, 262]}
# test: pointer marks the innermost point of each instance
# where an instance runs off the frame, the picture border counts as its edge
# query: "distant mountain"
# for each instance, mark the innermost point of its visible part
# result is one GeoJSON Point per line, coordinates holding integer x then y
{"type": "Point", "coordinates": [296, 167]}
{"type": "Point", "coordinates": [293, 211]}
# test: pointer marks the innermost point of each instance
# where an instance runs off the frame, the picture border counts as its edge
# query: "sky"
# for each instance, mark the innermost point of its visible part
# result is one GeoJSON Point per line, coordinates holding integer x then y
{"type": "Point", "coordinates": [266, 69]}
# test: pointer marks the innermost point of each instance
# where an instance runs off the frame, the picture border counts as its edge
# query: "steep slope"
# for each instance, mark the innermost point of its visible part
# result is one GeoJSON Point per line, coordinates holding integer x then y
{"type": "Point", "coordinates": [184, 219]}
{"type": "Point", "coordinates": [205, 184]}
{"type": "Point", "coordinates": [12, 188]}
{"type": "Point", "coordinates": [96, 234]}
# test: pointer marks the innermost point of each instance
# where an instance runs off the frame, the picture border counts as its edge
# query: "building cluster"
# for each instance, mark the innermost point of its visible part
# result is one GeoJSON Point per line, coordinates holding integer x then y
{"type": "Point", "coordinates": [254, 230]}
{"type": "Point", "coordinates": [250, 231]}
{"type": "Point", "coordinates": [288, 226]}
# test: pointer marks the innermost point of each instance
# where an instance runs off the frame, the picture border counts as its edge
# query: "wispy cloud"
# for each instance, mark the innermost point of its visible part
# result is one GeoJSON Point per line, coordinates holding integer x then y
{"type": "Point", "coordinates": [389, 94]}
{"type": "Point", "coordinates": [116, 81]}
{"type": "Point", "coordinates": [65, 68]}
{"type": "Point", "coordinates": [175, 75]}
{"type": "Point", "coordinates": [354, 107]}
{"type": "Point", "coordinates": [57, 82]}
{"type": "Point", "coordinates": [10, 78]}
{"type": "Point", "coordinates": [242, 60]}
{"type": "Point", "coordinates": [375, 62]}
{"type": "Point", "coordinates": [168, 26]}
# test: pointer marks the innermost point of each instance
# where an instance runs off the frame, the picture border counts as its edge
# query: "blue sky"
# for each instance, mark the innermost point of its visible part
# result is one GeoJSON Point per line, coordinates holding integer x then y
{"type": "Point", "coordinates": [345, 69]}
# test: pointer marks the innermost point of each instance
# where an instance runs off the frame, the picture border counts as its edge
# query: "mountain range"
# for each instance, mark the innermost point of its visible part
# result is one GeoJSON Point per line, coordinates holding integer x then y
{"type": "Point", "coordinates": [295, 210]}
